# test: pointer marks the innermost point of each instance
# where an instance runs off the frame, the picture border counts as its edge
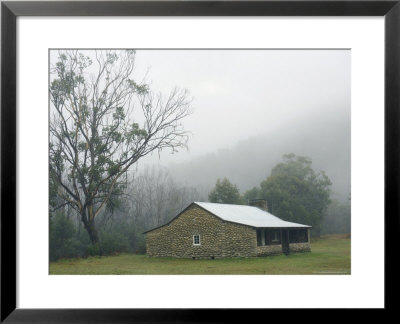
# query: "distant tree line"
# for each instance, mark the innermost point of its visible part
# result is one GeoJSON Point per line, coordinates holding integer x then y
{"type": "Point", "coordinates": [295, 193]}
{"type": "Point", "coordinates": [337, 219]}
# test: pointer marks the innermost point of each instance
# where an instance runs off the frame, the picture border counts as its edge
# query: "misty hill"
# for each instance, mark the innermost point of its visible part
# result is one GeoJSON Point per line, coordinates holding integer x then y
{"type": "Point", "coordinates": [248, 162]}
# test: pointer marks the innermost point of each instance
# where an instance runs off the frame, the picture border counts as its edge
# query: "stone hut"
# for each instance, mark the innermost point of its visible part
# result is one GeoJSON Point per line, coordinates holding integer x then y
{"type": "Point", "coordinates": [209, 230]}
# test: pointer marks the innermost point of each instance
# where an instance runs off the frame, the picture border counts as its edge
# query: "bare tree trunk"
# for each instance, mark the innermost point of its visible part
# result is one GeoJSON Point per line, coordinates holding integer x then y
{"type": "Point", "coordinates": [90, 227]}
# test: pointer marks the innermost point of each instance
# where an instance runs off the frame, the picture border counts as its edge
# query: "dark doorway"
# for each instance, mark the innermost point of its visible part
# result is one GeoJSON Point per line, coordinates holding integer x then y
{"type": "Point", "coordinates": [285, 241]}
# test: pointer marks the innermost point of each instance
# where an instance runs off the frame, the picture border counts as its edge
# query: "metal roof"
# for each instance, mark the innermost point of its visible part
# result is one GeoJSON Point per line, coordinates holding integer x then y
{"type": "Point", "coordinates": [247, 215]}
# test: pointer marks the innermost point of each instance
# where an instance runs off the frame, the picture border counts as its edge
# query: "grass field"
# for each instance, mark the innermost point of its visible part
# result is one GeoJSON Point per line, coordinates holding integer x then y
{"type": "Point", "coordinates": [330, 255]}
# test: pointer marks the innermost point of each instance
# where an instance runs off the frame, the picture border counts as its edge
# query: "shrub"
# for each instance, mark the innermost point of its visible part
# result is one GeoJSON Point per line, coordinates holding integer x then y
{"type": "Point", "coordinates": [62, 238]}
{"type": "Point", "coordinates": [67, 241]}
{"type": "Point", "coordinates": [93, 249]}
{"type": "Point", "coordinates": [113, 242]}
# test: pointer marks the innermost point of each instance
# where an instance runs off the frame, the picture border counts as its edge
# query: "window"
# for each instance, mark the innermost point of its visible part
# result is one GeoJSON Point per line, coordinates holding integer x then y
{"type": "Point", "coordinates": [275, 236]}
{"type": "Point", "coordinates": [298, 236]}
{"type": "Point", "coordinates": [196, 239]}
{"type": "Point", "coordinates": [272, 237]}
{"type": "Point", "coordinates": [268, 237]}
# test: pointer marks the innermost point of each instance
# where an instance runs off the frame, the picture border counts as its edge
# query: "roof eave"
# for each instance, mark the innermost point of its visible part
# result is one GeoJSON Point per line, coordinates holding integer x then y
{"type": "Point", "coordinates": [170, 220]}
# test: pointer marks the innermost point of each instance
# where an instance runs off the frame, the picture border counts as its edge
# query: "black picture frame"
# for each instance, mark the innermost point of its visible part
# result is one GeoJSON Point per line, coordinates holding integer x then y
{"type": "Point", "coordinates": [11, 10]}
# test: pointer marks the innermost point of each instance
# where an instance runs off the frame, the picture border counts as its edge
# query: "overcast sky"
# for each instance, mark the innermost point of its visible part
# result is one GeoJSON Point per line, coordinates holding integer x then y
{"type": "Point", "coordinates": [242, 93]}
{"type": "Point", "coordinates": [238, 94]}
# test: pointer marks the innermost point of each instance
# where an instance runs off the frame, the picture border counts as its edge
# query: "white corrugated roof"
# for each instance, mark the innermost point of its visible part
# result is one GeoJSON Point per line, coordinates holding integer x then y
{"type": "Point", "coordinates": [247, 215]}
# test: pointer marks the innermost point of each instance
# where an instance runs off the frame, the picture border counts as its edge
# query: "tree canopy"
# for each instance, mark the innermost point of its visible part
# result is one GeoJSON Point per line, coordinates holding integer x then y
{"type": "Point", "coordinates": [225, 192]}
{"type": "Point", "coordinates": [251, 194]}
{"type": "Point", "coordinates": [102, 121]}
{"type": "Point", "coordinates": [296, 193]}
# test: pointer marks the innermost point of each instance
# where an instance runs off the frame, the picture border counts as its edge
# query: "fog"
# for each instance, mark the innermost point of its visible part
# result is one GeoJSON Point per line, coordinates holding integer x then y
{"type": "Point", "coordinates": [252, 106]}
{"type": "Point", "coordinates": [248, 109]}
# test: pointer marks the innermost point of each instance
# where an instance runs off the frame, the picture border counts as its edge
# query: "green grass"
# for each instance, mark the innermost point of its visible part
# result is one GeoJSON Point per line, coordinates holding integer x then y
{"type": "Point", "coordinates": [330, 255]}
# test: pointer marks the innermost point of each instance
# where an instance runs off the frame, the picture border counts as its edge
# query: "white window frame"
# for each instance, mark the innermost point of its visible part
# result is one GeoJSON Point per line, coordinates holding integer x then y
{"type": "Point", "coordinates": [194, 242]}
{"type": "Point", "coordinates": [276, 235]}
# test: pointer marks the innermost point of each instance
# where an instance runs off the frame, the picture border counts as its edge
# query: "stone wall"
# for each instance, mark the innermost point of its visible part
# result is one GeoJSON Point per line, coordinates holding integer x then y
{"type": "Point", "coordinates": [239, 240]}
{"type": "Point", "coordinates": [300, 247]}
{"type": "Point", "coordinates": [269, 249]}
{"type": "Point", "coordinates": [277, 249]}
{"type": "Point", "coordinates": [218, 239]}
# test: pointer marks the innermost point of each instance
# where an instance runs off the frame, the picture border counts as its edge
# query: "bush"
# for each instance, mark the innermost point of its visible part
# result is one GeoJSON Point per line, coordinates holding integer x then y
{"type": "Point", "coordinates": [113, 242]}
{"type": "Point", "coordinates": [71, 248]}
{"type": "Point", "coordinates": [140, 247]}
{"type": "Point", "coordinates": [67, 241]}
{"type": "Point", "coordinates": [136, 240]}
{"type": "Point", "coordinates": [62, 239]}
{"type": "Point", "coordinates": [93, 249]}
{"type": "Point", "coordinates": [337, 218]}
{"type": "Point", "coordinates": [131, 237]}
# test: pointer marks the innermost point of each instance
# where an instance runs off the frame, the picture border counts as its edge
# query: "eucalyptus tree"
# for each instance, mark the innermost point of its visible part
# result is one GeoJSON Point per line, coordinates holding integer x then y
{"type": "Point", "coordinates": [102, 121]}
{"type": "Point", "coordinates": [297, 193]}
{"type": "Point", "coordinates": [225, 192]}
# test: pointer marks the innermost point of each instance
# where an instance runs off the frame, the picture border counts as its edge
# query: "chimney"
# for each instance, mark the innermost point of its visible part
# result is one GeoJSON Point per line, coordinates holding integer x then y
{"type": "Point", "coordinates": [260, 203]}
